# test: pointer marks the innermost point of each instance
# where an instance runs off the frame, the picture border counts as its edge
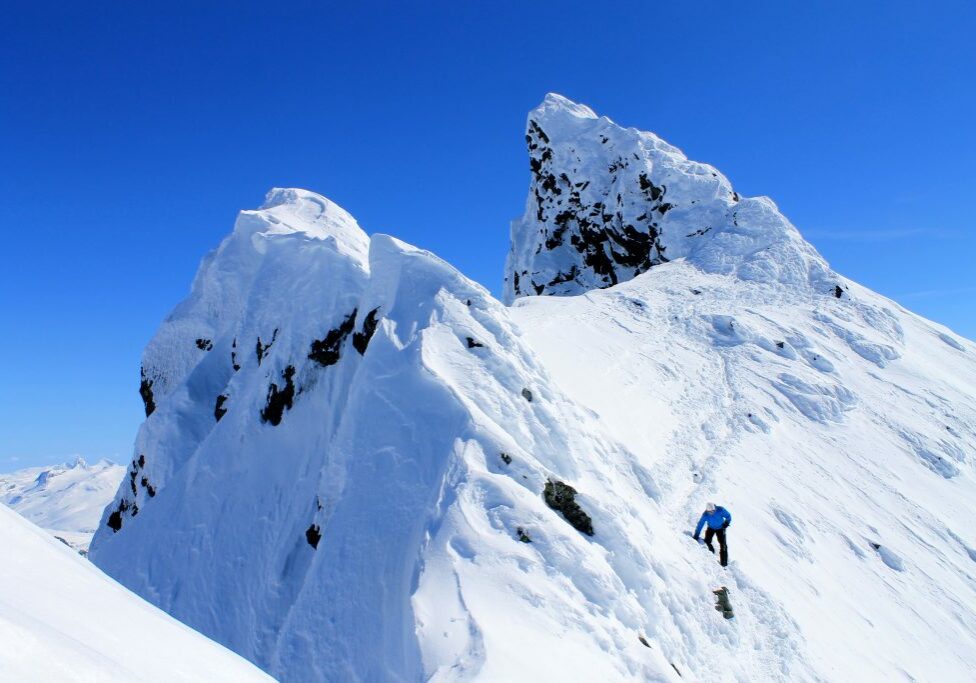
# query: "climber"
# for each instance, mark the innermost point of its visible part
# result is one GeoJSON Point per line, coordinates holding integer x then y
{"type": "Point", "coordinates": [718, 520]}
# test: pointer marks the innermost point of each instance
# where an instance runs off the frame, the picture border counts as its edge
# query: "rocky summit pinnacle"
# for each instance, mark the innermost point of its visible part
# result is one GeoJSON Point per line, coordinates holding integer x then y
{"type": "Point", "coordinates": [607, 203]}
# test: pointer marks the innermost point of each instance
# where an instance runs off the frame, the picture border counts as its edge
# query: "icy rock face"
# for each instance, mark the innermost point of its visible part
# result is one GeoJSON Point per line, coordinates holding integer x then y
{"type": "Point", "coordinates": [608, 203]}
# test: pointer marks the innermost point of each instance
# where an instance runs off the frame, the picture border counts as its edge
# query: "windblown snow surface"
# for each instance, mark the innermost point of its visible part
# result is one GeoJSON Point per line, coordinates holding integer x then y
{"type": "Point", "coordinates": [66, 499]}
{"type": "Point", "coordinates": [61, 619]}
{"type": "Point", "coordinates": [344, 469]}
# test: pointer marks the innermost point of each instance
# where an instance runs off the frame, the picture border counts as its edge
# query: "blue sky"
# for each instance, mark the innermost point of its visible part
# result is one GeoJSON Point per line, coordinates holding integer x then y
{"type": "Point", "coordinates": [131, 134]}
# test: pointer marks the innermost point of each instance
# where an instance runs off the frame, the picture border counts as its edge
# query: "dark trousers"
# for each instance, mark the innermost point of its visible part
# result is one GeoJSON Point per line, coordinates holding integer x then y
{"type": "Point", "coordinates": [723, 549]}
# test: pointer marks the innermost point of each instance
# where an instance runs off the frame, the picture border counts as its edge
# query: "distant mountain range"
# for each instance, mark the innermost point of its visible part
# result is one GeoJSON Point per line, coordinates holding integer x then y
{"type": "Point", "coordinates": [66, 499]}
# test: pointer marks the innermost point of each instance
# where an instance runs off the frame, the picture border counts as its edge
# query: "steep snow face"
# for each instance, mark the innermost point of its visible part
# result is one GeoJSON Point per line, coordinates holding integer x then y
{"type": "Point", "coordinates": [67, 499]}
{"type": "Point", "coordinates": [608, 203]}
{"type": "Point", "coordinates": [61, 619]}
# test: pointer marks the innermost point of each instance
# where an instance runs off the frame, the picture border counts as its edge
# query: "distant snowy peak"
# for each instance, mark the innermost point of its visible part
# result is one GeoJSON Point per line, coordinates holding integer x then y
{"type": "Point", "coordinates": [67, 499]}
{"type": "Point", "coordinates": [607, 203]}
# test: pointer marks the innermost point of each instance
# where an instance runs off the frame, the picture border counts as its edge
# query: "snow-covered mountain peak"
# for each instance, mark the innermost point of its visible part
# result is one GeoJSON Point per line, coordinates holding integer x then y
{"type": "Point", "coordinates": [556, 108]}
{"type": "Point", "coordinates": [298, 242]}
{"type": "Point", "coordinates": [288, 211]}
{"type": "Point", "coordinates": [607, 203]}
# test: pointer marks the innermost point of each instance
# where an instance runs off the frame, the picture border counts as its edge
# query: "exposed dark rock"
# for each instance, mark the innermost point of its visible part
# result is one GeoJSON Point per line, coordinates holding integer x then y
{"type": "Point", "coordinates": [506, 458]}
{"type": "Point", "coordinates": [204, 344]}
{"type": "Point", "coordinates": [279, 399]}
{"type": "Point", "coordinates": [537, 132]}
{"type": "Point", "coordinates": [115, 519]}
{"type": "Point", "coordinates": [313, 535]}
{"type": "Point", "coordinates": [565, 277]}
{"type": "Point", "coordinates": [132, 482]}
{"type": "Point", "coordinates": [527, 395]}
{"type": "Point", "coordinates": [696, 292]}
{"type": "Point", "coordinates": [233, 355]}
{"type": "Point", "coordinates": [838, 292]}
{"type": "Point", "coordinates": [326, 351]}
{"type": "Point", "coordinates": [151, 490]}
{"type": "Point", "coordinates": [522, 535]}
{"type": "Point", "coordinates": [219, 410]}
{"type": "Point", "coordinates": [722, 603]}
{"type": "Point", "coordinates": [672, 663]}
{"type": "Point", "coordinates": [562, 498]}
{"type": "Point", "coordinates": [643, 641]}
{"type": "Point", "coordinates": [472, 344]}
{"type": "Point", "coordinates": [360, 340]}
{"type": "Point", "coordinates": [145, 390]}
{"type": "Point", "coordinates": [142, 461]}
{"type": "Point", "coordinates": [780, 345]}
{"type": "Point", "coordinates": [652, 191]}
{"type": "Point", "coordinates": [262, 349]}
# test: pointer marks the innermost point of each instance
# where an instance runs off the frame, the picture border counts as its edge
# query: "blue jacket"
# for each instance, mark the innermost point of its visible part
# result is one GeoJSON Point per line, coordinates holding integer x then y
{"type": "Point", "coordinates": [715, 520]}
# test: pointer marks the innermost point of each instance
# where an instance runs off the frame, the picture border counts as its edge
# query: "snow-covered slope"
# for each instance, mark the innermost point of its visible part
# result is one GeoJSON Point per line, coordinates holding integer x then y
{"type": "Point", "coordinates": [840, 433]}
{"type": "Point", "coordinates": [357, 465]}
{"type": "Point", "coordinates": [67, 499]}
{"type": "Point", "coordinates": [61, 619]}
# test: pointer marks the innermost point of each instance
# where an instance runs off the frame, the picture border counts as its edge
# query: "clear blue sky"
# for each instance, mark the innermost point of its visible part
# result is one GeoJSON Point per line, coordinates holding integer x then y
{"type": "Point", "coordinates": [131, 133]}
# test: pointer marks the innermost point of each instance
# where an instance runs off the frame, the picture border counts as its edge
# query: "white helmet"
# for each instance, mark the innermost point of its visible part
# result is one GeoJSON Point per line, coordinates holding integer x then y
{"type": "Point", "coordinates": [709, 507]}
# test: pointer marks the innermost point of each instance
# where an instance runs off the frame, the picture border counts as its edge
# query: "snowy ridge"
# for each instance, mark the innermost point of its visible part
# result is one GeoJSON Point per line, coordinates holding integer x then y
{"type": "Point", "coordinates": [607, 203]}
{"type": "Point", "coordinates": [66, 499]}
{"type": "Point", "coordinates": [61, 619]}
{"type": "Point", "coordinates": [358, 465]}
